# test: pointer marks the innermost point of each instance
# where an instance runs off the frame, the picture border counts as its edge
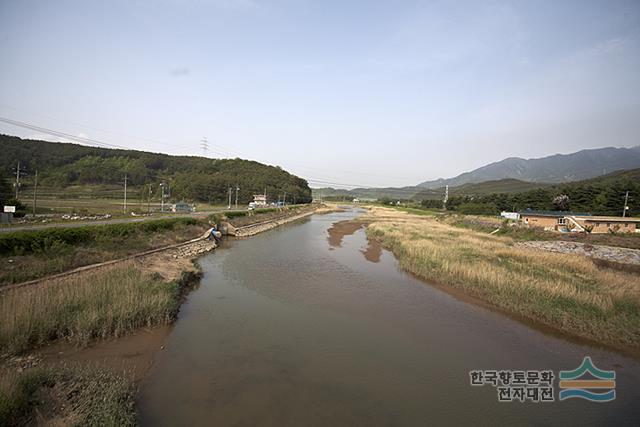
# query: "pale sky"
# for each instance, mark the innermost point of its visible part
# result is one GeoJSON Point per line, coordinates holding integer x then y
{"type": "Point", "coordinates": [373, 93]}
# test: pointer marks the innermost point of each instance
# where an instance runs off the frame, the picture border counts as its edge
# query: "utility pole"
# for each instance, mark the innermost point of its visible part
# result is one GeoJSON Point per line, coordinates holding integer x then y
{"type": "Point", "coordinates": [162, 197]}
{"type": "Point", "coordinates": [149, 201]}
{"type": "Point", "coordinates": [284, 199]}
{"type": "Point", "coordinates": [626, 199]}
{"type": "Point", "coordinates": [446, 197]}
{"type": "Point", "coordinates": [237, 188]}
{"type": "Point", "coordinates": [124, 206]}
{"type": "Point", "coordinates": [35, 193]}
{"type": "Point", "coordinates": [230, 191]}
{"type": "Point", "coordinates": [17, 183]}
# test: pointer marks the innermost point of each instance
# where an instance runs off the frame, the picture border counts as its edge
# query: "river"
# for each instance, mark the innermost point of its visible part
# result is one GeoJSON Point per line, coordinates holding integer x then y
{"type": "Point", "coordinates": [289, 328]}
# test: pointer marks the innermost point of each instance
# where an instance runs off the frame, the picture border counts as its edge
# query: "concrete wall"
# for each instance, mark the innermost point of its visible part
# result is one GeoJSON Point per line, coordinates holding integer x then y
{"type": "Point", "coordinates": [540, 221]}
{"type": "Point", "coordinates": [605, 226]}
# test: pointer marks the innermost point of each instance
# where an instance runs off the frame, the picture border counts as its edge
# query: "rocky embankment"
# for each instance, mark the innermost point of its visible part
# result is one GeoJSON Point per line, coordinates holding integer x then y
{"type": "Point", "coordinates": [194, 249]}
{"type": "Point", "coordinates": [252, 229]}
{"type": "Point", "coordinates": [607, 253]}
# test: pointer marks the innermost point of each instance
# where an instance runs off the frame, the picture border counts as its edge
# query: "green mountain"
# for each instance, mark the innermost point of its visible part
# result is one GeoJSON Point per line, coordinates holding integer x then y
{"type": "Point", "coordinates": [62, 165]}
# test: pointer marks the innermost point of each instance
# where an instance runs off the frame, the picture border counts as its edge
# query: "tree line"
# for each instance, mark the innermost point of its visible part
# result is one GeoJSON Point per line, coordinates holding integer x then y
{"type": "Point", "coordinates": [599, 196]}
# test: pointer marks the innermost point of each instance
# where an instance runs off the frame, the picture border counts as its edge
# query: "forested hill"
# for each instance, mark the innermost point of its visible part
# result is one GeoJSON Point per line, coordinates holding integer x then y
{"type": "Point", "coordinates": [61, 165]}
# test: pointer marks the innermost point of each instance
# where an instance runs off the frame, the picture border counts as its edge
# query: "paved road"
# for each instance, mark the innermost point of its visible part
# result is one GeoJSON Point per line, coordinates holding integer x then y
{"type": "Point", "coordinates": [71, 224]}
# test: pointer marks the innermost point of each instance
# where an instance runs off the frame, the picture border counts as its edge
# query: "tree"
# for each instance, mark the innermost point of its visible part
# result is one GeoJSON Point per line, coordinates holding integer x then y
{"type": "Point", "coordinates": [561, 202]}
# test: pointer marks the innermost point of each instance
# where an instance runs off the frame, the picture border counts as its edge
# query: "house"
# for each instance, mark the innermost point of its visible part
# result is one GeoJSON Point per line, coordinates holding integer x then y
{"type": "Point", "coordinates": [549, 220]}
{"type": "Point", "coordinates": [260, 200]}
{"type": "Point", "coordinates": [606, 224]}
{"type": "Point", "coordinates": [581, 222]}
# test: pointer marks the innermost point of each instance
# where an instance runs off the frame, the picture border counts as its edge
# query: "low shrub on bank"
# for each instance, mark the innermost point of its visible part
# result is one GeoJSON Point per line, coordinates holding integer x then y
{"type": "Point", "coordinates": [52, 239]}
{"type": "Point", "coordinates": [110, 302]}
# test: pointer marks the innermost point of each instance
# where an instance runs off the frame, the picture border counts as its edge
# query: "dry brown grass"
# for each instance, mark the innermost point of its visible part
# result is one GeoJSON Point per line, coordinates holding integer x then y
{"type": "Point", "coordinates": [103, 303]}
{"type": "Point", "coordinates": [561, 290]}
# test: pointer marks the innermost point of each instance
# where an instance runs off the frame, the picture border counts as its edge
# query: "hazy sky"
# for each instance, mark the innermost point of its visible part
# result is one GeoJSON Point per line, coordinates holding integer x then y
{"type": "Point", "coordinates": [357, 92]}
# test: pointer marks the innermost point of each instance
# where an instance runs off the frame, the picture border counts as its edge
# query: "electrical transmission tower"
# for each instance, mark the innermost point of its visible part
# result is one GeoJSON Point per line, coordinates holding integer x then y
{"type": "Point", "coordinates": [204, 144]}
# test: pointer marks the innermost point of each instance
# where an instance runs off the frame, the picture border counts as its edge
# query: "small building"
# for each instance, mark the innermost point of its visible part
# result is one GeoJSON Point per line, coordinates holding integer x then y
{"type": "Point", "coordinates": [510, 215]}
{"type": "Point", "coordinates": [260, 200]}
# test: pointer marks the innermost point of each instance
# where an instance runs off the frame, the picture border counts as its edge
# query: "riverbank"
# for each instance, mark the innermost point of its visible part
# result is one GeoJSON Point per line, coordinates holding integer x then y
{"type": "Point", "coordinates": [54, 335]}
{"type": "Point", "coordinates": [566, 292]}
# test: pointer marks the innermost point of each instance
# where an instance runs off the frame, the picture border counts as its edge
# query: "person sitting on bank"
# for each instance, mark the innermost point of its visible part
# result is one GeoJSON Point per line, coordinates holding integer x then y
{"type": "Point", "coordinates": [213, 233]}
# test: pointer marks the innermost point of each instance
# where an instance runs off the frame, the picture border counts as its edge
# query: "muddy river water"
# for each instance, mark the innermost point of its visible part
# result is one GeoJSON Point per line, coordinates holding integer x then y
{"type": "Point", "coordinates": [296, 328]}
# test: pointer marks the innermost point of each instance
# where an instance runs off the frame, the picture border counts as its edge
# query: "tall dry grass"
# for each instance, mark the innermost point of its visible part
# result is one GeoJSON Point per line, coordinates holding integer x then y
{"type": "Point", "coordinates": [565, 291]}
{"type": "Point", "coordinates": [104, 303]}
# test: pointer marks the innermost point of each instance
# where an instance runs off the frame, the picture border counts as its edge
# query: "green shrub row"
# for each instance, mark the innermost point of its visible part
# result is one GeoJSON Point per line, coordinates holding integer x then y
{"type": "Point", "coordinates": [38, 241]}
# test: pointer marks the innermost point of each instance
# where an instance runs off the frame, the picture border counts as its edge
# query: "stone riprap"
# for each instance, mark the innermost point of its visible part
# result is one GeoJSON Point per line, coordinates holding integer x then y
{"type": "Point", "coordinates": [608, 253]}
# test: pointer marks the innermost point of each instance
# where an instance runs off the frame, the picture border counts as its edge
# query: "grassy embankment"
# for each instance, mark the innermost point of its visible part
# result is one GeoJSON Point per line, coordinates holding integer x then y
{"type": "Point", "coordinates": [27, 255]}
{"type": "Point", "coordinates": [108, 302]}
{"type": "Point", "coordinates": [563, 291]}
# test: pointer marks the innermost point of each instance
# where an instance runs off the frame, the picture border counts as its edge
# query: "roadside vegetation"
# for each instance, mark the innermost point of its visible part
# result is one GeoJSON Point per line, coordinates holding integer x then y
{"type": "Point", "coordinates": [563, 291]}
{"type": "Point", "coordinates": [66, 396]}
{"type": "Point", "coordinates": [27, 255]}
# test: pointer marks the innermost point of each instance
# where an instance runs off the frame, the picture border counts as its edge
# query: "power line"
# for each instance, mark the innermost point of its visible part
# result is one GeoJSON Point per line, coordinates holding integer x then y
{"type": "Point", "coordinates": [204, 144]}
{"type": "Point", "coordinates": [60, 134]}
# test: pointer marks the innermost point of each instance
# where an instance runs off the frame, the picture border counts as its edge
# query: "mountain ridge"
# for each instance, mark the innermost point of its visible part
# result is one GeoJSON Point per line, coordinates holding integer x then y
{"type": "Point", "coordinates": [555, 168]}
